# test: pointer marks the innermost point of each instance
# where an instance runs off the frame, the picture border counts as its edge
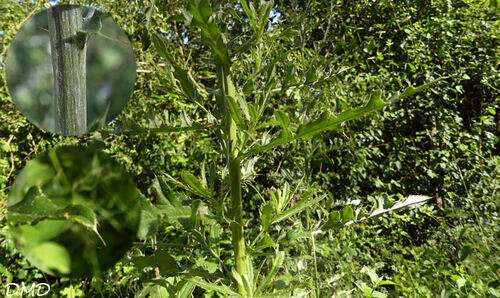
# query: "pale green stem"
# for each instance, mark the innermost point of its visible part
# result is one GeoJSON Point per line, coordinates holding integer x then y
{"type": "Point", "coordinates": [68, 49]}
{"type": "Point", "coordinates": [231, 142]}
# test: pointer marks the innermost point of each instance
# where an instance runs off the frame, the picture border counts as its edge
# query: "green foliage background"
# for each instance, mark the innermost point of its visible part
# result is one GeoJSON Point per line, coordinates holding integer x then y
{"type": "Point", "coordinates": [442, 143]}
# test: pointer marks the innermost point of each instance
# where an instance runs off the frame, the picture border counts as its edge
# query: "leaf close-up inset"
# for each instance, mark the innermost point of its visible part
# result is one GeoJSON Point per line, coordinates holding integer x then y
{"type": "Point", "coordinates": [85, 203]}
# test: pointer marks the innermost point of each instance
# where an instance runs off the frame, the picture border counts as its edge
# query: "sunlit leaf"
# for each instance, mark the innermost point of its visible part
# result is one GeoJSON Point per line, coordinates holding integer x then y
{"type": "Point", "coordinates": [50, 257]}
{"type": "Point", "coordinates": [409, 202]}
{"type": "Point", "coordinates": [44, 230]}
{"type": "Point", "coordinates": [34, 206]}
{"type": "Point", "coordinates": [347, 214]}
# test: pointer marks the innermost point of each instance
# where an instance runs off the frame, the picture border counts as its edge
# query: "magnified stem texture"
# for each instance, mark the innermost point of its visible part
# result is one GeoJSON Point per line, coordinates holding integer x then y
{"type": "Point", "coordinates": [68, 50]}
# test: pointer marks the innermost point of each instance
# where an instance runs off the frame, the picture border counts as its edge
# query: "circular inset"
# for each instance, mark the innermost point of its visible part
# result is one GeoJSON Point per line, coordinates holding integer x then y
{"type": "Point", "coordinates": [70, 69]}
{"type": "Point", "coordinates": [73, 211]}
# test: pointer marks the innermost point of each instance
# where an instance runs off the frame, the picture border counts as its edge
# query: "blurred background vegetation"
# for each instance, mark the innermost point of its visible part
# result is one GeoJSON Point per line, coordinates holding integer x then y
{"type": "Point", "coordinates": [442, 143]}
{"type": "Point", "coordinates": [110, 73]}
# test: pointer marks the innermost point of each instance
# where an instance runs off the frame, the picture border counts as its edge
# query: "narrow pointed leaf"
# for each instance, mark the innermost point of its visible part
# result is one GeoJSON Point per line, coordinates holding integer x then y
{"type": "Point", "coordinates": [238, 278]}
{"type": "Point", "coordinates": [186, 291]}
{"type": "Point", "coordinates": [284, 138]}
{"type": "Point", "coordinates": [265, 10]}
{"type": "Point", "coordinates": [213, 287]}
{"type": "Point", "coordinates": [297, 208]}
{"type": "Point", "coordinates": [244, 107]}
{"type": "Point", "coordinates": [250, 13]}
{"type": "Point", "coordinates": [162, 49]}
{"type": "Point", "coordinates": [409, 202]}
{"type": "Point", "coordinates": [199, 14]}
{"type": "Point", "coordinates": [191, 184]}
{"type": "Point", "coordinates": [277, 263]}
{"type": "Point", "coordinates": [195, 185]}
{"type": "Point", "coordinates": [412, 90]}
{"type": "Point", "coordinates": [235, 111]}
{"type": "Point", "coordinates": [186, 84]}
{"type": "Point", "coordinates": [249, 277]}
{"type": "Point", "coordinates": [266, 242]}
{"type": "Point", "coordinates": [332, 122]}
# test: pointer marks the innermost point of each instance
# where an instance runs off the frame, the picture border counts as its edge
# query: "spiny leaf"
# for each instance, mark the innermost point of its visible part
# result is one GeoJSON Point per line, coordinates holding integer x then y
{"type": "Point", "coordinates": [249, 12]}
{"type": "Point", "coordinates": [264, 12]}
{"type": "Point", "coordinates": [266, 242]}
{"type": "Point", "coordinates": [331, 122]}
{"type": "Point", "coordinates": [191, 184]}
{"type": "Point", "coordinates": [244, 107]}
{"type": "Point", "coordinates": [180, 74]}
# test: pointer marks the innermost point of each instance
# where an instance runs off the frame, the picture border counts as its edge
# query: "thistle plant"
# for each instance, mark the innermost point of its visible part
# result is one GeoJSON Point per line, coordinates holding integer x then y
{"type": "Point", "coordinates": [243, 127]}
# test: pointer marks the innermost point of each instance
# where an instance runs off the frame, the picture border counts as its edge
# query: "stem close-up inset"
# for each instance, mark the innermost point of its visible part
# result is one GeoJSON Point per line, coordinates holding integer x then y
{"type": "Point", "coordinates": [68, 50]}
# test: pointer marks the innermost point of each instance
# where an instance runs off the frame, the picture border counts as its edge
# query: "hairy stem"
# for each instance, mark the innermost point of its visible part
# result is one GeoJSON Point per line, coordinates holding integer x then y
{"type": "Point", "coordinates": [68, 49]}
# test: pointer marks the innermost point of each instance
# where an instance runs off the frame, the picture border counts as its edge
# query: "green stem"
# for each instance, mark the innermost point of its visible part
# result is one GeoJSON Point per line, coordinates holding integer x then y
{"type": "Point", "coordinates": [237, 224]}
{"type": "Point", "coordinates": [231, 145]}
{"type": "Point", "coordinates": [68, 49]}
